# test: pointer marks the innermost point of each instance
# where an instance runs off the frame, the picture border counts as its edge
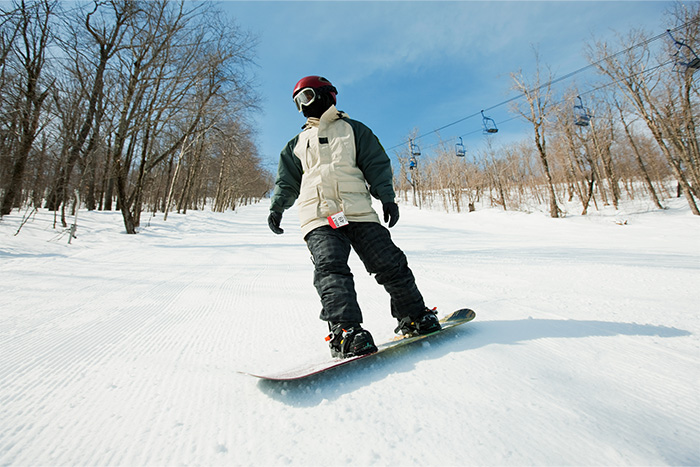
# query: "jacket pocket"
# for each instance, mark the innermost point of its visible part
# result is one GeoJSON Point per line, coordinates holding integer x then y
{"type": "Point", "coordinates": [355, 198]}
{"type": "Point", "coordinates": [309, 205]}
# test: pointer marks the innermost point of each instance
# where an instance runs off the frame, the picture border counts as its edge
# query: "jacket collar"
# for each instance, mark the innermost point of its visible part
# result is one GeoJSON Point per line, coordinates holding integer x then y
{"type": "Point", "coordinates": [330, 115]}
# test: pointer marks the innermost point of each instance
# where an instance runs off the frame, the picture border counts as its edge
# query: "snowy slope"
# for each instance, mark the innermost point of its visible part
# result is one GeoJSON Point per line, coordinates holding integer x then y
{"type": "Point", "coordinates": [123, 350]}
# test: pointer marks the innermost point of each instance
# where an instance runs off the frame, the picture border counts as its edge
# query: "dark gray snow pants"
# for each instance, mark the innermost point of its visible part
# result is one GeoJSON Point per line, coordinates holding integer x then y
{"type": "Point", "coordinates": [330, 250]}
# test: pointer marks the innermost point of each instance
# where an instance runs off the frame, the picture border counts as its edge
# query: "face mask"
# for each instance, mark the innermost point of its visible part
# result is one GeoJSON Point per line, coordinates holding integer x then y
{"type": "Point", "coordinates": [317, 107]}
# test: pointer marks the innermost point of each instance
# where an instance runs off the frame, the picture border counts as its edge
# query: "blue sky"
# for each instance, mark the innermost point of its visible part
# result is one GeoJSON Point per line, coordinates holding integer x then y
{"type": "Point", "coordinates": [403, 66]}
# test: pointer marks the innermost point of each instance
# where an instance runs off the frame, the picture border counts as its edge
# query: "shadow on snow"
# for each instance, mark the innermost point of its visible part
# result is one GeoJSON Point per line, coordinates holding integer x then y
{"type": "Point", "coordinates": [333, 383]}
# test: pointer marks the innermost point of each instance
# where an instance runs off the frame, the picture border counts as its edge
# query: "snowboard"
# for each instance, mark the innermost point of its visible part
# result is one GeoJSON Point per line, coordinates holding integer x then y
{"type": "Point", "coordinates": [454, 319]}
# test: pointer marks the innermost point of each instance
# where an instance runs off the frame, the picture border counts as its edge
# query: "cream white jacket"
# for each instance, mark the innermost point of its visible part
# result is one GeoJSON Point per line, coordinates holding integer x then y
{"type": "Point", "coordinates": [332, 166]}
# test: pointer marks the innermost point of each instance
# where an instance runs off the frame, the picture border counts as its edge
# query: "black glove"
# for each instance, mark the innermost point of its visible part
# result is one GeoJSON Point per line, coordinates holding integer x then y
{"type": "Point", "coordinates": [391, 213]}
{"type": "Point", "coordinates": [273, 220]}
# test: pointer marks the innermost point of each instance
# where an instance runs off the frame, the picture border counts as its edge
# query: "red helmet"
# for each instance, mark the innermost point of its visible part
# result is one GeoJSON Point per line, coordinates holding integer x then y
{"type": "Point", "coordinates": [318, 83]}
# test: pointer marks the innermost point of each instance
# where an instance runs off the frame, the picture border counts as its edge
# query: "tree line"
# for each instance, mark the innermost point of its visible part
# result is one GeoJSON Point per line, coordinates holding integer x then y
{"type": "Point", "coordinates": [633, 136]}
{"type": "Point", "coordinates": [126, 104]}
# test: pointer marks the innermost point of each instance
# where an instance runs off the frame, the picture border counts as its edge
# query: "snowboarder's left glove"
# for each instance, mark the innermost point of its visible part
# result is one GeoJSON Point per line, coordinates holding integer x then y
{"type": "Point", "coordinates": [391, 213]}
{"type": "Point", "coordinates": [274, 220]}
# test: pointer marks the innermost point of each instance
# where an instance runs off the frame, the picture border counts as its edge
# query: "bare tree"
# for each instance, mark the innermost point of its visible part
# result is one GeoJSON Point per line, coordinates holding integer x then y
{"type": "Point", "coordinates": [644, 173]}
{"type": "Point", "coordinates": [538, 97]}
{"type": "Point", "coordinates": [664, 100]}
{"type": "Point", "coordinates": [601, 132]}
{"type": "Point", "coordinates": [92, 38]}
{"type": "Point", "coordinates": [180, 68]}
{"type": "Point", "coordinates": [27, 54]}
{"type": "Point", "coordinates": [580, 167]}
{"type": "Point", "coordinates": [136, 90]}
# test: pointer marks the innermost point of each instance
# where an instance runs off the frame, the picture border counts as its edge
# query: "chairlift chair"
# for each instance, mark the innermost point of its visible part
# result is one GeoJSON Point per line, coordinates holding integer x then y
{"type": "Point", "coordinates": [582, 115]}
{"type": "Point", "coordinates": [459, 148]}
{"type": "Point", "coordinates": [415, 149]}
{"type": "Point", "coordinates": [489, 125]}
{"type": "Point", "coordinates": [685, 57]}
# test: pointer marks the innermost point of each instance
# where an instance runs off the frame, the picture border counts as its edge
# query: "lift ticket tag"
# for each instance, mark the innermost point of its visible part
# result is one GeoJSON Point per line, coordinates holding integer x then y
{"type": "Point", "coordinates": [337, 220]}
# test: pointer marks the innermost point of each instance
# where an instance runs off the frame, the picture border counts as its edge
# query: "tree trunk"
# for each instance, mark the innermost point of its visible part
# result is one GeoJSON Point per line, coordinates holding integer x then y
{"type": "Point", "coordinates": [540, 143]}
{"type": "Point", "coordinates": [640, 162]}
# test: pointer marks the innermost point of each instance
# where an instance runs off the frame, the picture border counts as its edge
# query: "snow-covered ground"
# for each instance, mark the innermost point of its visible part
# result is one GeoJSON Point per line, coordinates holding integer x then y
{"type": "Point", "coordinates": [124, 350]}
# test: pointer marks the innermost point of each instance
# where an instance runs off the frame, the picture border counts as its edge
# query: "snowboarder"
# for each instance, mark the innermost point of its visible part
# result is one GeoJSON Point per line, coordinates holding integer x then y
{"type": "Point", "coordinates": [333, 167]}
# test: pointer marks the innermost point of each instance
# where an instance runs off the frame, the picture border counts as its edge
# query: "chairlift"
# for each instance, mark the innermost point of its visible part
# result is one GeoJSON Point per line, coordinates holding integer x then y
{"type": "Point", "coordinates": [415, 149]}
{"type": "Point", "coordinates": [489, 125]}
{"type": "Point", "coordinates": [582, 115]}
{"type": "Point", "coordinates": [685, 57]}
{"type": "Point", "coordinates": [459, 148]}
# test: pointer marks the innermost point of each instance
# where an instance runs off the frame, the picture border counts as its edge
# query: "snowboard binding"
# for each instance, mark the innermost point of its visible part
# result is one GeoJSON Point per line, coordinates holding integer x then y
{"type": "Point", "coordinates": [349, 340]}
{"type": "Point", "coordinates": [424, 324]}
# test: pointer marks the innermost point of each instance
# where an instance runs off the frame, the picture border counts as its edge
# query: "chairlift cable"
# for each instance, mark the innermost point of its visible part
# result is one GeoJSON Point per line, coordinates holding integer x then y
{"type": "Point", "coordinates": [555, 81]}
{"type": "Point", "coordinates": [590, 91]}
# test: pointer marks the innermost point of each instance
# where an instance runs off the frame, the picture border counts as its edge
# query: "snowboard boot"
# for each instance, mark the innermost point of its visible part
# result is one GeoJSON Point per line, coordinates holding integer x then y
{"type": "Point", "coordinates": [417, 326]}
{"type": "Point", "coordinates": [349, 340]}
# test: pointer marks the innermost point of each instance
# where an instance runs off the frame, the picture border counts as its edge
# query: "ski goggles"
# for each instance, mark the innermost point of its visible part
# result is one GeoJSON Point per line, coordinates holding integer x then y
{"type": "Point", "coordinates": [304, 97]}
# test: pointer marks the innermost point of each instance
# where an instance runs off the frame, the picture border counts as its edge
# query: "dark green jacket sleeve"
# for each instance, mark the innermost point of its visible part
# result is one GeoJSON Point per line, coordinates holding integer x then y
{"type": "Point", "coordinates": [288, 182]}
{"type": "Point", "coordinates": [373, 161]}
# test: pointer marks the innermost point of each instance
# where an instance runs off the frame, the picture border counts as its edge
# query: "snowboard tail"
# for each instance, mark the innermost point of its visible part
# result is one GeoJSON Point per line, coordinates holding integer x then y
{"type": "Point", "coordinates": [456, 318]}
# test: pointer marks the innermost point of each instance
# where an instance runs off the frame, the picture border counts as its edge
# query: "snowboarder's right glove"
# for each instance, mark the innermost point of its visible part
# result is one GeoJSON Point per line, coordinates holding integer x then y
{"type": "Point", "coordinates": [274, 220]}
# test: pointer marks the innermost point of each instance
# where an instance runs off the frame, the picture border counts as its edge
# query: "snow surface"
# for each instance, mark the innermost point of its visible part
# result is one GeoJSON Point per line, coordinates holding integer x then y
{"type": "Point", "coordinates": [124, 350]}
